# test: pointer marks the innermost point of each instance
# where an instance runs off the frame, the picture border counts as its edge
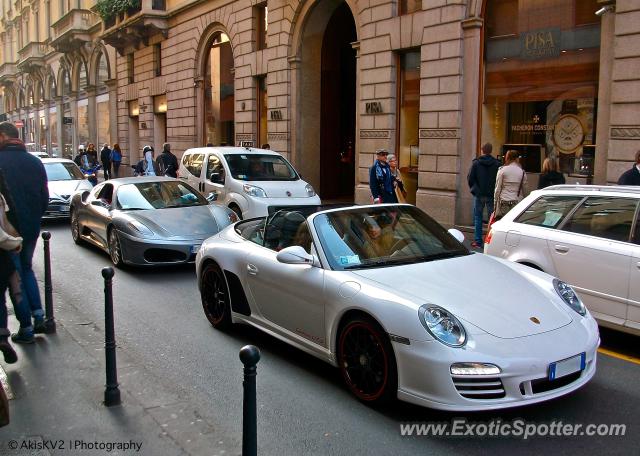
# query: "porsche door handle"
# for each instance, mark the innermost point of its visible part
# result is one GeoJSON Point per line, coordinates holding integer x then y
{"type": "Point", "coordinates": [252, 269]}
{"type": "Point", "coordinates": [561, 248]}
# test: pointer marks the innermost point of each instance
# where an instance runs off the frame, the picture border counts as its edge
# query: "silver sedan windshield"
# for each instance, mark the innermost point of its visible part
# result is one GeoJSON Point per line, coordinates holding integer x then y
{"type": "Point", "coordinates": [383, 236]}
{"type": "Point", "coordinates": [158, 195]}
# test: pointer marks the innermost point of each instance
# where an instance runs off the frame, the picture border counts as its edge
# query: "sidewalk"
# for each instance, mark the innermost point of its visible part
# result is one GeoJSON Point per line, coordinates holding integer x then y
{"type": "Point", "coordinates": [57, 388]}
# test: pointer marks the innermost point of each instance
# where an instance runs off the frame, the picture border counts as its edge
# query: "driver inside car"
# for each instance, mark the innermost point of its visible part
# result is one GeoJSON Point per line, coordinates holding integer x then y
{"type": "Point", "coordinates": [379, 238]}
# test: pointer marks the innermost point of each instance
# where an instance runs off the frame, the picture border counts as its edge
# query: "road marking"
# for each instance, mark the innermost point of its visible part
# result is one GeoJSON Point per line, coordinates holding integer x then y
{"type": "Point", "coordinates": [5, 384]}
{"type": "Point", "coordinates": [631, 359]}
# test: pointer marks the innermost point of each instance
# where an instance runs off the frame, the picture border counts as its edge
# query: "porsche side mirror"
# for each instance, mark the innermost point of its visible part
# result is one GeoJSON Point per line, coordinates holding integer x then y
{"type": "Point", "coordinates": [457, 234]}
{"type": "Point", "coordinates": [294, 255]}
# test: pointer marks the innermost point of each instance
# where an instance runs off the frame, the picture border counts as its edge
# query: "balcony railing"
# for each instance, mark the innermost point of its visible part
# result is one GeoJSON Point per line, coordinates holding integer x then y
{"type": "Point", "coordinates": [133, 27]}
{"type": "Point", "coordinates": [72, 29]}
{"type": "Point", "coordinates": [32, 55]}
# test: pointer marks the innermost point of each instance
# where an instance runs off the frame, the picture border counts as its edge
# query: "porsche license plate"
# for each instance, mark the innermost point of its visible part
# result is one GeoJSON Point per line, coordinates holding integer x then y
{"type": "Point", "coordinates": [567, 366]}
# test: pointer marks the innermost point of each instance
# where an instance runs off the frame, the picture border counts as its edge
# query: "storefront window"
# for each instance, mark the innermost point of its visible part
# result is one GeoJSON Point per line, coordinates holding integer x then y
{"type": "Point", "coordinates": [53, 131]}
{"type": "Point", "coordinates": [219, 93]}
{"type": "Point", "coordinates": [408, 116]}
{"type": "Point", "coordinates": [541, 81]}
{"type": "Point", "coordinates": [83, 122]}
{"type": "Point", "coordinates": [104, 131]}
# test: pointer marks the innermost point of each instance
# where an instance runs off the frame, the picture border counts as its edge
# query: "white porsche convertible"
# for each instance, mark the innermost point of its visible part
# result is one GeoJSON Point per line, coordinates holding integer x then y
{"type": "Point", "coordinates": [400, 306]}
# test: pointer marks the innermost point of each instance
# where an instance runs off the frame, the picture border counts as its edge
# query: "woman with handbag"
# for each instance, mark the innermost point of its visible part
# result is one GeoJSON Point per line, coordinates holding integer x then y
{"type": "Point", "coordinates": [510, 183]}
{"type": "Point", "coordinates": [398, 185]}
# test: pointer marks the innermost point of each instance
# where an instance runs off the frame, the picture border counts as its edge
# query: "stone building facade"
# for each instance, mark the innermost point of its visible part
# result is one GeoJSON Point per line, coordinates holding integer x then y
{"type": "Point", "coordinates": [327, 82]}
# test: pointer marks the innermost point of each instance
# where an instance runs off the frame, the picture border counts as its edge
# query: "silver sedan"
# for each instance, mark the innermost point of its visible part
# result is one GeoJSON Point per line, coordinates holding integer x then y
{"type": "Point", "coordinates": [146, 220]}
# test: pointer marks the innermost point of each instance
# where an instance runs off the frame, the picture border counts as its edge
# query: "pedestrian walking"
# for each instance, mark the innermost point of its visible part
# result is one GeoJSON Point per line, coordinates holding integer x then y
{"type": "Point", "coordinates": [105, 158]}
{"type": "Point", "coordinates": [167, 162]}
{"type": "Point", "coordinates": [10, 241]}
{"type": "Point", "coordinates": [92, 155]}
{"type": "Point", "coordinates": [482, 183]}
{"type": "Point", "coordinates": [510, 182]}
{"type": "Point", "coordinates": [116, 159]}
{"type": "Point", "coordinates": [551, 174]}
{"type": "Point", "coordinates": [398, 185]}
{"type": "Point", "coordinates": [149, 166]}
{"type": "Point", "coordinates": [632, 176]}
{"type": "Point", "coordinates": [27, 196]}
{"type": "Point", "coordinates": [380, 179]}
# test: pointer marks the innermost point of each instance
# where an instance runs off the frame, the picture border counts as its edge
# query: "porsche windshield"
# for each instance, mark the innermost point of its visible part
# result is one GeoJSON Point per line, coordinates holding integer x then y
{"type": "Point", "coordinates": [260, 167]}
{"type": "Point", "coordinates": [158, 195]}
{"type": "Point", "coordinates": [383, 236]}
{"type": "Point", "coordinates": [61, 171]}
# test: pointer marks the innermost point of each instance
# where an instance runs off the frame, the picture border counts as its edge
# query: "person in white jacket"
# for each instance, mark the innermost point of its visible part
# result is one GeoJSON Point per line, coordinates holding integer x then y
{"type": "Point", "coordinates": [510, 184]}
{"type": "Point", "coordinates": [9, 278]}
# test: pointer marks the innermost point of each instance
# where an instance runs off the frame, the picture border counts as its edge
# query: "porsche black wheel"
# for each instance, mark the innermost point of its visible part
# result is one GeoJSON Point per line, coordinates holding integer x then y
{"type": "Point", "coordinates": [115, 251]}
{"type": "Point", "coordinates": [75, 227]}
{"type": "Point", "coordinates": [215, 297]}
{"type": "Point", "coordinates": [367, 362]}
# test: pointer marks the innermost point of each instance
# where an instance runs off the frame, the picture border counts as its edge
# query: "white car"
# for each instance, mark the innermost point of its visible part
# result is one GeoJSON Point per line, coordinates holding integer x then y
{"type": "Point", "coordinates": [252, 182]}
{"type": "Point", "coordinates": [64, 180]}
{"type": "Point", "coordinates": [401, 307]}
{"type": "Point", "coordinates": [589, 237]}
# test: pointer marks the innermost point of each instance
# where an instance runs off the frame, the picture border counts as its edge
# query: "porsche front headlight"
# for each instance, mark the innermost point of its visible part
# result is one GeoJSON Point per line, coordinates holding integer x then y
{"type": "Point", "coordinates": [569, 296]}
{"type": "Point", "coordinates": [442, 325]}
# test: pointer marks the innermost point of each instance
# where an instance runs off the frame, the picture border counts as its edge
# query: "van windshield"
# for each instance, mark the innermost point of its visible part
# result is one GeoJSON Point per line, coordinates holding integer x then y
{"type": "Point", "coordinates": [260, 167]}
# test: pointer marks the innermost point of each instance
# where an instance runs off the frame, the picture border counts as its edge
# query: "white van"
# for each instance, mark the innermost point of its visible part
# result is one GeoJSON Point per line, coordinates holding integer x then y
{"type": "Point", "coordinates": [252, 182]}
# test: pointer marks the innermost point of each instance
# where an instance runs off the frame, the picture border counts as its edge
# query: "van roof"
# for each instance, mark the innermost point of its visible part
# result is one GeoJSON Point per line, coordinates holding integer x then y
{"type": "Point", "coordinates": [232, 150]}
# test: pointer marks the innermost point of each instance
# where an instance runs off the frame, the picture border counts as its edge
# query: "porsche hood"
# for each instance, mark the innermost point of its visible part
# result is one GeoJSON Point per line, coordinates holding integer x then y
{"type": "Point", "coordinates": [495, 298]}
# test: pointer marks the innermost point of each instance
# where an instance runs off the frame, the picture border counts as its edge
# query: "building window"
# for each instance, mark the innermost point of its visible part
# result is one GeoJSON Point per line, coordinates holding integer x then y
{"type": "Point", "coordinates": [130, 73]}
{"type": "Point", "coordinates": [157, 59]}
{"type": "Point", "coordinates": [261, 17]}
{"type": "Point", "coordinates": [410, 6]}
{"type": "Point", "coordinates": [525, 105]}
{"type": "Point", "coordinates": [261, 97]}
{"type": "Point", "coordinates": [408, 116]}
{"type": "Point", "coordinates": [219, 105]}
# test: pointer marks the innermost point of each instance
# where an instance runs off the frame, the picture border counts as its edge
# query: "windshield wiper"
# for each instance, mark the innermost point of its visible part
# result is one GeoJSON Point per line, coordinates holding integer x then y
{"type": "Point", "coordinates": [442, 255]}
{"type": "Point", "coordinates": [373, 264]}
{"type": "Point", "coordinates": [405, 260]}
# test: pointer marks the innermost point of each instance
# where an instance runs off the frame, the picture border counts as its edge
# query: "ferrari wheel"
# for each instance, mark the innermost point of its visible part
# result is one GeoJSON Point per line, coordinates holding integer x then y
{"type": "Point", "coordinates": [215, 297]}
{"type": "Point", "coordinates": [75, 227]}
{"type": "Point", "coordinates": [115, 251]}
{"type": "Point", "coordinates": [367, 362]}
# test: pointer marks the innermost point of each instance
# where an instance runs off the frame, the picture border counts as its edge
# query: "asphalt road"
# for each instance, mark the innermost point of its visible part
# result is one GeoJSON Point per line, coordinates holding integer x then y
{"type": "Point", "coordinates": [303, 407]}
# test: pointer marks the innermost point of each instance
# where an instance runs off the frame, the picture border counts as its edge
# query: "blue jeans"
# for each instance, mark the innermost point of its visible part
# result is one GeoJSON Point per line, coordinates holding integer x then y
{"type": "Point", "coordinates": [30, 292]}
{"type": "Point", "coordinates": [21, 308]}
{"type": "Point", "coordinates": [479, 203]}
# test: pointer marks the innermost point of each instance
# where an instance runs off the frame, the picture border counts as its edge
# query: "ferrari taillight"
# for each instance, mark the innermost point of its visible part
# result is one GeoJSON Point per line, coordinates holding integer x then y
{"type": "Point", "coordinates": [487, 240]}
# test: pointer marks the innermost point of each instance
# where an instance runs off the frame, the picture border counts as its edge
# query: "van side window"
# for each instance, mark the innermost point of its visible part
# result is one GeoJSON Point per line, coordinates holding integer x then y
{"type": "Point", "coordinates": [194, 163]}
{"type": "Point", "coordinates": [215, 171]}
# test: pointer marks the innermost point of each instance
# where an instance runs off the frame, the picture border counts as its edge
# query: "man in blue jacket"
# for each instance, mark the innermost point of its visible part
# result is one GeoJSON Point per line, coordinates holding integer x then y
{"type": "Point", "coordinates": [381, 180]}
{"type": "Point", "coordinates": [27, 185]}
{"type": "Point", "coordinates": [632, 176]}
{"type": "Point", "coordinates": [482, 183]}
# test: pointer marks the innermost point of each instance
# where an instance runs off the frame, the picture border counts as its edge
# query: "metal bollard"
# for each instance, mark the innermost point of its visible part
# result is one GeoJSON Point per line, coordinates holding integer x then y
{"type": "Point", "coordinates": [49, 322]}
{"type": "Point", "coordinates": [249, 355]}
{"type": "Point", "coordinates": [112, 392]}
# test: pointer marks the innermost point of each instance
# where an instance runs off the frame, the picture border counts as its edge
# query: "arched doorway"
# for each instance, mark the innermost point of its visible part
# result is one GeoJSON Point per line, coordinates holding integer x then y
{"type": "Point", "coordinates": [219, 92]}
{"type": "Point", "coordinates": [328, 101]}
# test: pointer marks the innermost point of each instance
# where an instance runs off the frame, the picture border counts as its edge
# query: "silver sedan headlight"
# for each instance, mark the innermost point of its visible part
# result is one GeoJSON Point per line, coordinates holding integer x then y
{"type": "Point", "coordinates": [442, 325]}
{"type": "Point", "coordinates": [569, 296]}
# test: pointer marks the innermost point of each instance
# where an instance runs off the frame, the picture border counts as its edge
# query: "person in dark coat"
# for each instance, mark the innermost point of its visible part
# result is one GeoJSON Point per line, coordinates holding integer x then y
{"type": "Point", "coordinates": [26, 182]}
{"type": "Point", "coordinates": [167, 162]}
{"type": "Point", "coordinates": [551, 174]}
{"type": "Point", "coordinates": [381, 181]}
{"type": "Point", "coordinates": [105, 158]}
{"type": "Point", "coordinates": [482, 183]}
{"type": "Point", "coordinates": [632, 176]}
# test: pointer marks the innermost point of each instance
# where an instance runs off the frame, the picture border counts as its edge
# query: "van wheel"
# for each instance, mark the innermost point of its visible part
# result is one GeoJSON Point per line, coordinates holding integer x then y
{"type": "Point", "coordinates": [236, 209]}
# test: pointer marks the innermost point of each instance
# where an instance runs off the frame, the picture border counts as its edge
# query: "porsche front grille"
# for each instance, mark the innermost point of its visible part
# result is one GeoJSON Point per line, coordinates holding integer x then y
{"type": "Point", "coordinates": [479, 388]}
